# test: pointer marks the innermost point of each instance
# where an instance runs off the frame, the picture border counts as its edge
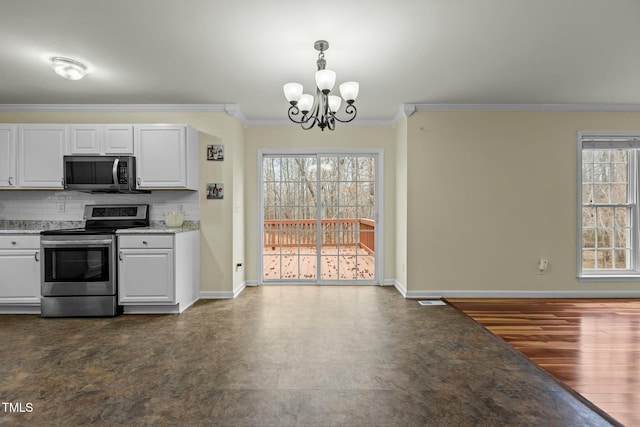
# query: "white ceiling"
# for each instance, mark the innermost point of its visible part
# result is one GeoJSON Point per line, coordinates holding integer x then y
{"type": "Point", "coordinates": [242, 51]}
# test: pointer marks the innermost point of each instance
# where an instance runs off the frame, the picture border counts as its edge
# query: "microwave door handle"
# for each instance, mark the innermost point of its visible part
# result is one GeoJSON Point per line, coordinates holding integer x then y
{"type": "Point", "coordinates": [114, 171]}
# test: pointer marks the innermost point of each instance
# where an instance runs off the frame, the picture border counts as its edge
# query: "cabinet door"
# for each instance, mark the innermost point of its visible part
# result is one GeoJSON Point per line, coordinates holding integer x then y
{"type": "Point", "coordinates": [85, 139]}
{"type": "Point", "coordinates": [7, 157]}
{"type": "Point", "coordinates": [40, 152]}
{"type": "Point", "coordinates": [118, 139]}
{"type": "Point", "coordinates": [146, 276]}
{"type": "Point", "coordinates": [161, 156]}
{"type": "Point", "coordinates": [20, 278]}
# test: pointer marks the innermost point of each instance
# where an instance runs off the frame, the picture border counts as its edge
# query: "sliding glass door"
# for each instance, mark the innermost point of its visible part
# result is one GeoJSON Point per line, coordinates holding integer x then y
{"type": "Point", "coordinates": [319, 218]}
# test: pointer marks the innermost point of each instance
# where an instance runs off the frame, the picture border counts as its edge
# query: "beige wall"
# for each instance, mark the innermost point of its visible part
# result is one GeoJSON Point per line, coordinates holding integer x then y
{"type": "Point", "coordinates": [218, 248]}
{"type": "Point", "coordinates": [472, 198]}
{"type": "Point", "coordinates": [293, 137]}
{"type": "Point", "coordinates": [490, 193]}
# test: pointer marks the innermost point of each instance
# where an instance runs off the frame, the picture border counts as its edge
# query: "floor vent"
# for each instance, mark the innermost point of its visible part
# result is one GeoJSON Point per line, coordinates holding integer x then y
{"type": "Point", "coordinates": [432, 302]}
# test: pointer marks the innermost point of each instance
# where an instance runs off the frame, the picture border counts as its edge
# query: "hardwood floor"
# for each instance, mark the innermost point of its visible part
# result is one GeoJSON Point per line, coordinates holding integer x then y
{"type": "Point", "coordinates": [592, 345]}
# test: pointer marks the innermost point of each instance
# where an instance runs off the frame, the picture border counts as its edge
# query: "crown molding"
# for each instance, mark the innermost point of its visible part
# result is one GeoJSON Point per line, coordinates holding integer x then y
{"type": "Point", "coordinates": [215, 108]}
{"type": "Point", "coordinates": [532, 107]}
{"type": "Point", "coordinates": [233, 110]}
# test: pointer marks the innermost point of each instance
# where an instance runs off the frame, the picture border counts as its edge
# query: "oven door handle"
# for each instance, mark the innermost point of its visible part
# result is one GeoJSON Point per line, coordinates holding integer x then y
{"type": "Point", "coordinates": [88, 242]}
{"type": "Point", "coordinates": [114, 171]}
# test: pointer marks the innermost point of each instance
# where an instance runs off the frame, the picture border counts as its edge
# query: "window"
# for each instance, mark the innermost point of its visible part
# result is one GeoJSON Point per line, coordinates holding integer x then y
{"type": "Point", "coordinates": [608, 213]}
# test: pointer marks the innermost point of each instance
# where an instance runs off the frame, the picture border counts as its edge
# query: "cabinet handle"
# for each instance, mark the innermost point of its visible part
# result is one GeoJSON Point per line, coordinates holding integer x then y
{"type": "Point", "coordinates": [138, 180]}
{"type": "Point", "coordinates": [120, 256]}
{"type": "Point", "coordinates": [36, 256]}
{"type": "Point", "coordinates": [14, 242]}
{"type": "Point", "coordinates": [144, 242]}
{"type": "Point", "coordinates": [10, 180]}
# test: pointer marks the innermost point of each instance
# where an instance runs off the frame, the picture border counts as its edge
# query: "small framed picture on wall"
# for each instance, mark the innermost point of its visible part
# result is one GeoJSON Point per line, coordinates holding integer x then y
{"type": "Point", "coordinates": [215, 152]}
{"type": "Point", "coordinates": [215, 190]}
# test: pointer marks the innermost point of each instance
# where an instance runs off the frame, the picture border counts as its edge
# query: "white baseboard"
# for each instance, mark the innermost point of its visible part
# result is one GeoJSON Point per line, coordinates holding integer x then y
{"type": "Point", "coordinates": [400, 288]}
{"type": "Point", "coordinates": [224, 294]}
{"type": "Point", "coordinates": [238, 289]}
{"type": "Point", "coordinates": [389, 282]}
{"type": "Point", "coordinates": [519, 294]}
{"type": "Point", "coordinates": [151, 309]}
{"type": "Point", "coordinates": [17, 309]}
{"type": "Point", "coordinates": [216, 295]}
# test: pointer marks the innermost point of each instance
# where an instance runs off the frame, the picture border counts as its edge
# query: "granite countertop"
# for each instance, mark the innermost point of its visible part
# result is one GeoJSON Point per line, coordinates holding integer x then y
{"type": "Point", "coordinates": [35, 227]}
{"type": "Point", "coordinates": [159, 227]}
{"type": "Point", "coordinates": [16, 226]}
{"type": "Point", "coordinates": [20, 231]}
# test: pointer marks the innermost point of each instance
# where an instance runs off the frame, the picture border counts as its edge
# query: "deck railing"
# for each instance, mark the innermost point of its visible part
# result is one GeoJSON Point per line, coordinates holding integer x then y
{"type": "Point", "coordinates": [304, 232]}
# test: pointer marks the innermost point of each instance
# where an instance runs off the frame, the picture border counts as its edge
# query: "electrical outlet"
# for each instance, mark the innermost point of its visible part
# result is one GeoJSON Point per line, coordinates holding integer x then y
{"type": "Point", "coordinates": [60, 206]}
{"type": "Point", "coordinates": [542, 266]}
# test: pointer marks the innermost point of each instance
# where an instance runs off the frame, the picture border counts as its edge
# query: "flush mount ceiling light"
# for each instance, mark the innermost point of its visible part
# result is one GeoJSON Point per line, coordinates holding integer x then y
{"type": "Point", "coordinates": [321, 110]}
{"type": "Point", "coordinates": [68, 68]}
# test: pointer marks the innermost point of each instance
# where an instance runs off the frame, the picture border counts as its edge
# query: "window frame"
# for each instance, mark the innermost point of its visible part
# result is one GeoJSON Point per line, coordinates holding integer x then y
{"type": "Point", "coordinates": [611, 140]}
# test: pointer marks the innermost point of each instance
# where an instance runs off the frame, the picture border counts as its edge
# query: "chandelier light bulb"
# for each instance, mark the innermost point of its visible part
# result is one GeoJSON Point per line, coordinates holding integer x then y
{"type": "Point", "coordinates": [325, 79]}
{"type": "Point", "coordinates": [70, 69]}
{"type": "Point", "coordinates": [349, 91]}
{"type": "Point", "coordinates": [293, 92]}
{"type": "Point", "coordinates": [334, 103]}
{"type": "Point", "coordinates": [305, 103]}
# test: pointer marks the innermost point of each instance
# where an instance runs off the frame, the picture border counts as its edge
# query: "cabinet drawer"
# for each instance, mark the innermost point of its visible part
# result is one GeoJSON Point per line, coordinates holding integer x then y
{"type": "Point", "coordinates": [146, 241]}
{"type": "Point", "coordinates": [20, 242]}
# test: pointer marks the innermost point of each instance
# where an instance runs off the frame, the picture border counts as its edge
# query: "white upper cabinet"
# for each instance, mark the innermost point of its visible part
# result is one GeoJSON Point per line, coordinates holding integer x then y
{"type": "Point", "coordinates": [118, 139]}
{"type": "Point", "coordinates": [101, 139]}
{"type": "Point", "coordinates": [166, 156]}
{"type": "Point", "coordinates": [7, 156]}
{"type": "Point", "coordinates": [40, 152]}
{"type": "Point", "coordinates": [85, 139]}
{"type": "Point", "coordinates": [31, 155]}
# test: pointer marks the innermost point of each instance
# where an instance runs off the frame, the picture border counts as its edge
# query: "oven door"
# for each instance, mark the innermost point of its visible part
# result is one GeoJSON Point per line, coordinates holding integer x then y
{"type": "Point", "coordinates": [78, 265]}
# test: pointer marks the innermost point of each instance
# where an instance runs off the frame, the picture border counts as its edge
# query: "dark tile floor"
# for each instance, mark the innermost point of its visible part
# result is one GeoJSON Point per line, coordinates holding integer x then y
{"type": "Point", "coordinates": [353, 356]}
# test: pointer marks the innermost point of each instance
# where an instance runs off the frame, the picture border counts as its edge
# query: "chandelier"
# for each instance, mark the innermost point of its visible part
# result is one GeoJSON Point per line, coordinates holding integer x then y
{"type": "Point", "coordinates": [308, 111]}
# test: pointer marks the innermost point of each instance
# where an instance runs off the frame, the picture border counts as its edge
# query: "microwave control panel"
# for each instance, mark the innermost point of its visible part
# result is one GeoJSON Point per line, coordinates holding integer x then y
{"type": "Point", "coordinates": [123, 173]}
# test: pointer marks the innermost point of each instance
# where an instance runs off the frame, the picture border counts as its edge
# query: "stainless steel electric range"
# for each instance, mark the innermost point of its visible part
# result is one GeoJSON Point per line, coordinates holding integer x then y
{"type": "Point", "coordinates": [79, 268]}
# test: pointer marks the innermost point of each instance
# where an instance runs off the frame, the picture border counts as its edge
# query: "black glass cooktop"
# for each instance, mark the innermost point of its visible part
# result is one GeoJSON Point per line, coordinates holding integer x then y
{"type": "Point", "coordinates": [106, 219]}
{"type": "Point", "coordinates": [75, 231]}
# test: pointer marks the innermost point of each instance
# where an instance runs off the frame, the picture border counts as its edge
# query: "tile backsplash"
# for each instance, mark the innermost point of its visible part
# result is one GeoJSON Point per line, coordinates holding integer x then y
{"type": "Point", "coordinates": [69, 205]}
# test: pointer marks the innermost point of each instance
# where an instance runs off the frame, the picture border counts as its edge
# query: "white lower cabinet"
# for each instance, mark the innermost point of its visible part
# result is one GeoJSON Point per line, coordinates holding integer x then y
{"type": "Point", "coordinates": [146, 275]}
{"type": "Point", "coordinates": [20, 267]}
{"type": "Point", "coordinates": [158, 273]}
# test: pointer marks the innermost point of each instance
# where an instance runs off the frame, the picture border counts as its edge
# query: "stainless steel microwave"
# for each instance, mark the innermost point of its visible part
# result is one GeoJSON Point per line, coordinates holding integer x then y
{"type": "Point", "coordinates": [100, 173]}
